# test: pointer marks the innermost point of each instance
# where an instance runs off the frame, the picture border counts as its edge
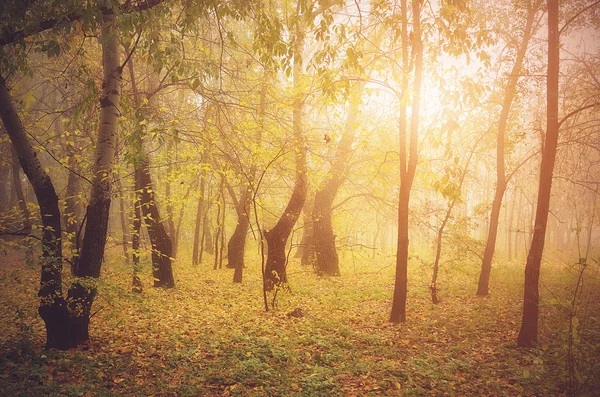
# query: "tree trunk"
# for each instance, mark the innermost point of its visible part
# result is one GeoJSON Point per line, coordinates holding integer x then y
{"type": "Point", "coordinates": [199, 221]}
{"type": "Point", "coordinates": [327, 261]}
{"type": "Point", "coordinates": [94, 239]}
{"type": "Point", "coordinates": [407, 171]}
{"type": "Point", "coordinates": [237, 242]}
{"type": "Point", "coordinates": [162, 269]}
{"type": "Point", "coordinates": [123, 219]}
{"type": "Point", "coordinates": [529, 324]}
{"type": "Point", "coordinates": [18, 188]}
{"type": "Point", "coordinates": [509, 95]}
{"type": "Point", "coordinates": [275, 267]}
{"type": "Point", "coordinates": [307, 246]}
{"type": "Point", "coordinates": [53, 308]}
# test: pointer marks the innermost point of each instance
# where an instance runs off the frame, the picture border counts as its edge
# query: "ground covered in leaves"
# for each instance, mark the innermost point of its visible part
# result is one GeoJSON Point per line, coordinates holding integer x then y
{"type": "Point", "coordinates": [210, 337]}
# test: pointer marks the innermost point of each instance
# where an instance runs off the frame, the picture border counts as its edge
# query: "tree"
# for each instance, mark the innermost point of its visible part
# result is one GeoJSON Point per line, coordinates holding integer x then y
{"type": "Point", "coordinates": [277, 236]}
{"type": "Point", "coordinates": [408, 158]}
{"type": "Point", "coordinates": [510, 91]}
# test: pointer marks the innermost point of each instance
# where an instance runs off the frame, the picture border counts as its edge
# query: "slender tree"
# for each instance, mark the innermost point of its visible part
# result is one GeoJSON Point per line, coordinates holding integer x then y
{"type": "Point", "coordinates": [407, 165]}
{"type": "Point", "coordinates": [510, 92]}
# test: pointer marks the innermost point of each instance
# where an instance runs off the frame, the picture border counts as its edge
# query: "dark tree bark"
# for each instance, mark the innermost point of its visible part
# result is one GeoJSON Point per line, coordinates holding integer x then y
{"type": "Point", "coordinates": [407, 170]}
{"type": "Point", "coordinates": [162, 269]}
{"type": "Point", "coordinates": [509, 95]}
{"type": "Point", "coordinates": [529, 324]}
{"type": "Point", "coordinates": [53, 307]}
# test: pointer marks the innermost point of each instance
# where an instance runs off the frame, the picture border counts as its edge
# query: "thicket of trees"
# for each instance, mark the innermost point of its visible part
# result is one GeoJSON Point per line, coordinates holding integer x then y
{"type": "Point", "coordinates": [256, 132]}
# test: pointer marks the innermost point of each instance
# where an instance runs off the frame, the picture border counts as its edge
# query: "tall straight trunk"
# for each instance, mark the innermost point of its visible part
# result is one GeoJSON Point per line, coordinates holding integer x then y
{"type": "Point", "coordinates": [89, 263]}
{"type": "Point", "coordinates": [529, 323]}
{"type": "Point", "coordinates": [323, 237]}
{"type": "Point", "coordinates": [509, 95]}
{"type": "Point", "coordinates": [123, 220]}
{"type": "Point", "coordinates": [509, 229]}
{"type": "Point", "coordinates": [220, 209]}
{"type": "Point", "coordinates": [94, 239]}
{"type": "Point", "coordinates": [276, 238]}
{"type": "Point", "coordinates": [199, 221]}
{"type": "Point", "coordinates": [53, 307]}
{"type": "Point", "coordinates": [162, 266]}
{"type": "Point", "coordinates": [407, 170]}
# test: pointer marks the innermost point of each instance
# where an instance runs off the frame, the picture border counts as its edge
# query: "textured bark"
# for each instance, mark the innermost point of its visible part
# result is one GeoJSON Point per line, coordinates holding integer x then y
{"type": "Point", "coordinates": [407, 170]}
{"type": "Point", "coordinates": [276, 238]}
{"type": "Point", "coordinates": [509, 95]}
{"type": "Point", "coordinates": [528, 333]}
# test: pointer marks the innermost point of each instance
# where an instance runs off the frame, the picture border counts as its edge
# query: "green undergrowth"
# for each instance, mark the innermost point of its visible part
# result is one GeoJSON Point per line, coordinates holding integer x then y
{"type": "Point", "coordinates": [211, 337]}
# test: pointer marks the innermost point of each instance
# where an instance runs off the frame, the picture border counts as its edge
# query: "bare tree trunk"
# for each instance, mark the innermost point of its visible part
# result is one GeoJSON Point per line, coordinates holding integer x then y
{"type": "Point", "coordinates": [529, 323]}
{"type": "Point", "coordinates": [196, 257]}
{"type": "Point", "coordinates": [123, 219]}
{"type": "Point", "coordinates": [509, 95]}
{"type": "Point", "coordinates": [275, 267]}
{"type": "Point", "coordinates": [407, 171]}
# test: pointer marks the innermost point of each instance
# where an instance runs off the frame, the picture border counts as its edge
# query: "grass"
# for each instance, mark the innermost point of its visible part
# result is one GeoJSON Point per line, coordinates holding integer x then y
{"type": "Point", "coordinates": [208, 338]}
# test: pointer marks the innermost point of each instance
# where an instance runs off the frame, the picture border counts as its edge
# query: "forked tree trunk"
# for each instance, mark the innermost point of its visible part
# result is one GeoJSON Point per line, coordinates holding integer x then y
{"type": "Point", "coordinates": [529, 324]}
{"type": "Point", "coordinates": [509, 95]}
{"type": "Point", "coordinates": [276, 238]}
{"type": "Point", "coordinates": [237, 242]}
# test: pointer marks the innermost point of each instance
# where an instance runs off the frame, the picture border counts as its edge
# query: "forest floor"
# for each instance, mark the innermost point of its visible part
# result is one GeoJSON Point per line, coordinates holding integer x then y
{"type": "Point", "coordinates": [209, 337]}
